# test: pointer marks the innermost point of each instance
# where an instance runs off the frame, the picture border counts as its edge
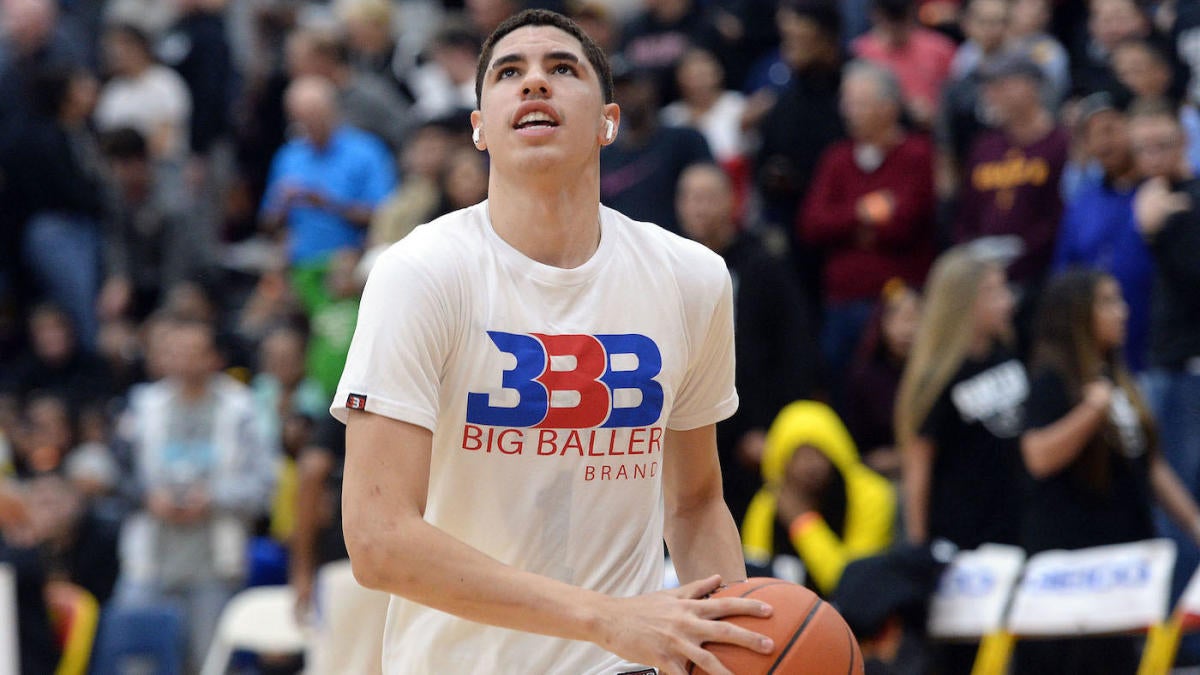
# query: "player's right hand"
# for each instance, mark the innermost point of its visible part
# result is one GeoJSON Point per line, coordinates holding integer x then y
{"type": "Point", "coordinates": [668, 629]}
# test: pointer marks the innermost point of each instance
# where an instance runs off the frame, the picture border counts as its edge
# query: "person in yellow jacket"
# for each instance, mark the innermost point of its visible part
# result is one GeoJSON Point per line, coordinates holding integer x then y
{"type": "Point", "coordinates": [819, 500]}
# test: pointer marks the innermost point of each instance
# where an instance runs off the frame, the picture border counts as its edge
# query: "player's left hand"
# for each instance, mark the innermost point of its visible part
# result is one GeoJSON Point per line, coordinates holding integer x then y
{"type": "Point", "coordinates": [668, 629]}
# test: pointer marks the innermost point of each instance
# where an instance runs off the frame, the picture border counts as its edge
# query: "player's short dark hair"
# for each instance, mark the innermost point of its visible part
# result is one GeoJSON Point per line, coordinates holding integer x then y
{"type": "Point", "coordinates": [542, 17]}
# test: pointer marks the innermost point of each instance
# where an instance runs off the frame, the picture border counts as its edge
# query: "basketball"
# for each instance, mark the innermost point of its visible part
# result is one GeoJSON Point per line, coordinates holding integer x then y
{"type": "Point", "coordinates": [810, 636]}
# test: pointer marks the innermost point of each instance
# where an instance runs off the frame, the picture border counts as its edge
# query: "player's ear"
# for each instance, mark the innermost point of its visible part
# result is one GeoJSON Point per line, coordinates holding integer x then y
{"type": "Point", "coordinates": [477, 130]}
{"type": "Point", "coordinates": [610, 124]}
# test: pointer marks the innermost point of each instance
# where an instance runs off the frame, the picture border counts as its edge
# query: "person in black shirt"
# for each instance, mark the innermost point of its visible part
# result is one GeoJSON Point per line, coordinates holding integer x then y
{"type": "Point", "coordinates": [1167, 213]}
{"type": "Point", "coordinates": [797, 126]}
{"type": "Point", "coordinates": [959, 408]}
{"type": "Point", "coordinates": [318, 550]}
{"type": "Point", "coordinates": [57, 364]}
{"type": "Point", "coordinates": [959, 416]}
{"type": "Point", "coordinates": [35, 637]}
{"type": "Point", "coordinates": [317, 538]}
{"type": "Point", "coordinates": [58, 185]}
{"type": "Point", "coordinates": [640, 170]}
{"type": "Point", "coordinates": [875, 376]}
{"type": "Point", "coordinates": [776, 352]}
{"type": "Point", "coordinates": [77, 546]}
{"type": "Point", "coordinates": [197, 47]}
{"type": "Point", "coordinates": [1090, 448]}
{"type": "Point", "coordinates": [657, 38]}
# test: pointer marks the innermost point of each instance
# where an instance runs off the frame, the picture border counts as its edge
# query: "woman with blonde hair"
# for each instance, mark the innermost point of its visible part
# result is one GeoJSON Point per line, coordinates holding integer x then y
{"type": "Point", "coordinates": [959, 408]}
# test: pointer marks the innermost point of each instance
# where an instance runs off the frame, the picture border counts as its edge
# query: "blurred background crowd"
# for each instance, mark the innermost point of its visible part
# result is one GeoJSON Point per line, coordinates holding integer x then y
{"type": "Point", "coordinates": [193, 191]}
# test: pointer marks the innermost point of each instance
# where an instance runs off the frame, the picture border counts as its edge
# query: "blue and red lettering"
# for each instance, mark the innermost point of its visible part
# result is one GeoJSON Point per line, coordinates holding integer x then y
{"type": "Point", "coordinates": [580, 366]}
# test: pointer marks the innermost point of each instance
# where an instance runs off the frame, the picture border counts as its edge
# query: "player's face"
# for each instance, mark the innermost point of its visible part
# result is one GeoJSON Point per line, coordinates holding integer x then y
{"type": "Point", "coordinates": [541, 108]}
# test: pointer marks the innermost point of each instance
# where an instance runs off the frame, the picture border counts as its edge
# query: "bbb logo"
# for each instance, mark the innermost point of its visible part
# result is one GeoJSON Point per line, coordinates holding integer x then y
{"type": "Point", "coordinates": [593, 378]}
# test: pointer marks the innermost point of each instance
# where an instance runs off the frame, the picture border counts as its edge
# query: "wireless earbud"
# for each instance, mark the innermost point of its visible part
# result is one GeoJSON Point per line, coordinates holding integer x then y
{"type": "Point", "coordinates": [608, 129]}
{"type": "Point", "coordinates": [475, 135]}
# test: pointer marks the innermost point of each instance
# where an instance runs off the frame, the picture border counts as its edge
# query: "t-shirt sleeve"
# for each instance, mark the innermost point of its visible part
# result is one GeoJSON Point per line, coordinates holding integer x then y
{"type": "Point", "coordinates": [707, 394]}
{"type": "Point", "coordinates": [1048, 401]}
{"type": "Point", "coordinates": [400, 343]}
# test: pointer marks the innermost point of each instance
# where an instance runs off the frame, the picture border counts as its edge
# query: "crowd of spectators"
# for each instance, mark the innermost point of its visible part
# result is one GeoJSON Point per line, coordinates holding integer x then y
{"type": "Point", "coordinates": [192, 193]}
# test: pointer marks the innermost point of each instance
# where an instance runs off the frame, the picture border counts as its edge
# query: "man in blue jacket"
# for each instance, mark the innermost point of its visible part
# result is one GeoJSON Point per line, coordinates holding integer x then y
{"type": "Point", "coordinates": [1098, 228]}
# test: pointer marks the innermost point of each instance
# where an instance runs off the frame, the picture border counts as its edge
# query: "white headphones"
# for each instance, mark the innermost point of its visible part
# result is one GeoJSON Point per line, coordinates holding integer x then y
{"type": "Point", "coordinates": [475, 134]}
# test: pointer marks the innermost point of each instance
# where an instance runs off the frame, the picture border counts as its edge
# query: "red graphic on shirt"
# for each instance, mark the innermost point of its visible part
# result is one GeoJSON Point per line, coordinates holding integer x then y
{"type": "Point", "coordinates": [584, 378]}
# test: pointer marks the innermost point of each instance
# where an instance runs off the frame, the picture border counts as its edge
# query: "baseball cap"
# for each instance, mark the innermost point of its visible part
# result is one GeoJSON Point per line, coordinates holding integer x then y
{"type": "Point", "coordinates": [1095, 103]}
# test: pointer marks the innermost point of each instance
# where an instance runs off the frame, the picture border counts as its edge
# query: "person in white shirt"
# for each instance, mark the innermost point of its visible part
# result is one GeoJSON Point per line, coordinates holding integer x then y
{"type": "Point", "coordinates": [143, 94]}
{"type": "Point", "coordinates": [530, 400]}
{"type": "Point", "coordinates": [706, 107]}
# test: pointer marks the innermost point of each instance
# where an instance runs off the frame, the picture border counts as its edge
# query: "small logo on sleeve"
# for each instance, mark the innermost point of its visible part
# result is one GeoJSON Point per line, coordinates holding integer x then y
{"type": "Point", "coordinates": [356, 401]}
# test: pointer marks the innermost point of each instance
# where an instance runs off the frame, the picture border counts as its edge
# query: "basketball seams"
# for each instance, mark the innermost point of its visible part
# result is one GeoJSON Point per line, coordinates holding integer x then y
{"type": "Point", "coordinates": [766, 585]}
{"type": "Point", "coordinates": [807, 614]}
{"type": "Point", "coordinates": [692, 664]}
{"type": "Point", "coordinates": [796, 636]}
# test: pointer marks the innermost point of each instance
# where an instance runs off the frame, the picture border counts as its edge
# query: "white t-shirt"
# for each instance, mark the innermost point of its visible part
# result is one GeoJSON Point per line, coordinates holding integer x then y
{"type": "Point", "coordinates": [556, 470]}
{"type": "Point", "coordinates": [156, 99]}
{"type": "Point", "coordinates": [721, 125]}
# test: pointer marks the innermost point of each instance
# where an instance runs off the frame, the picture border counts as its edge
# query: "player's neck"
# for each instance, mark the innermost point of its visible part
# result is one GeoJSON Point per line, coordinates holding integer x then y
{"type": "Point", "coordinates": [555, 224]}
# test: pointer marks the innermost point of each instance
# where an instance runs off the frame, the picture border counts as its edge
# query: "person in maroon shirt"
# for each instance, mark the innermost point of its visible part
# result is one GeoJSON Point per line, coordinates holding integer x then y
{"type": "Point", "coordinates": [1012, 175]}
{"type": "Point", "coordinates": [870, 208]}
{"type": "Point", "coordinates": [1011, 200]}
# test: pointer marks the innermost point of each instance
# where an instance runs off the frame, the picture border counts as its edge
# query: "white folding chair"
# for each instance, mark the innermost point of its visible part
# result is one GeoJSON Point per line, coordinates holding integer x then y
{"type": "Point", "coordinates": [1106, 590]}
{"type": "Point", "coordinates": [9, 659]}
{"type": "Point", "coordinates": [348, 637]}
{"type": "Point", "coordinates": [972, 599]}
{"type": "Point", "coordinates": [259, 620]}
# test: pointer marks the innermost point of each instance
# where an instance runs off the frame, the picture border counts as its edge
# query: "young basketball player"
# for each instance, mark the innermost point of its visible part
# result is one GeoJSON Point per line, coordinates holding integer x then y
{"type": "Point", "coordinates": [530, 401]}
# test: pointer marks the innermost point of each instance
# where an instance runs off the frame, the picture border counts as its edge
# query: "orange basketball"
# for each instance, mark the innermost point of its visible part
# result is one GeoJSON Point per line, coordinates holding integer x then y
{"type": "Point", "coordinates": [810, 636]}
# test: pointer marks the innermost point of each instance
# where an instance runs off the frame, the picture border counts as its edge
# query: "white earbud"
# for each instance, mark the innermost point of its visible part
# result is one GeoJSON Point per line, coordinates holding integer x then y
{"type": "Point", "coordinates": [475, 135]}
{"type": "Point", "coordinates": [609, 129]}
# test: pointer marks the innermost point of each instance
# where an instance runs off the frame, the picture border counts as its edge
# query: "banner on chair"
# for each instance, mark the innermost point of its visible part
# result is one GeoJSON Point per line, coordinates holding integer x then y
{"type": "Point", "coordinates": [1107, 589]}
{"type": "Point", "coordinates": [974, 592]}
